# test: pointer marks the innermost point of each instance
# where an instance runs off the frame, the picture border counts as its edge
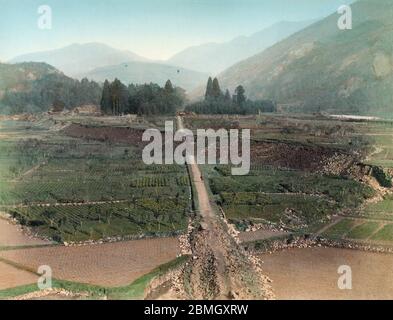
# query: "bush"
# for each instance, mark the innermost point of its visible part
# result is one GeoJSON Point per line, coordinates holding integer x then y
{"type": "Point", "coordinates": [383, 178]}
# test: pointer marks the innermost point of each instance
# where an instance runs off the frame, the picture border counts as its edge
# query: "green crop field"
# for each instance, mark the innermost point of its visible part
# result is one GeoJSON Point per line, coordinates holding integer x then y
{"type": "Point", "coordinates": [385, 234]}
{"type": "Point", "coordinates": [75, 189]}
{"type": "Point", "coordinates": [294, 199]}
{"type": "Point", "coordinates": [339, 229]}
{"type": "Point", "coordinates": [295, 194]}
{"type": "Point", "coordinates": [363, 231]}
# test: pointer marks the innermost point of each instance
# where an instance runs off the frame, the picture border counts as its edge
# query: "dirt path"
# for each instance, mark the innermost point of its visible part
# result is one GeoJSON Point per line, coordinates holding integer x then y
{"type": "Point", "coordinates": [29, 172]}
{"type": "Point", "coordinates": [65, 204]}
{"type": "Point", "coordinates": [220, 268]}
{"type": "Point", "coordinates": [334, 221]}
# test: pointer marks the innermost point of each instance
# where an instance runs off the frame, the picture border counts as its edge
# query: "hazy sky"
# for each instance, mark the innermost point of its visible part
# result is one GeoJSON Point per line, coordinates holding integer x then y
{"type": "Point", "coordinates": [156, 29]}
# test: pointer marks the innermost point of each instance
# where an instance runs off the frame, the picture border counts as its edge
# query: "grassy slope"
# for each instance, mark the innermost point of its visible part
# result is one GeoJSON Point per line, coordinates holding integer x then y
{"type": "Point", "coordinates": [324, 68]}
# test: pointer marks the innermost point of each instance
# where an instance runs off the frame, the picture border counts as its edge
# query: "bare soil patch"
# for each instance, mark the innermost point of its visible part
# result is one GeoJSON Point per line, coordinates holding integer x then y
{"type": "Point", "coordinates": [112, 264]}
{"type": "Point", "coordinates": [312, 273]}
{"type": "Point", "coordinates": [106, 134]}
{"type": "Point", "coordinates": [290, 155]}
{"type": "Point", "coordinates": [13, 235]}
{"type": "Point", "coordinates": [11, 277]}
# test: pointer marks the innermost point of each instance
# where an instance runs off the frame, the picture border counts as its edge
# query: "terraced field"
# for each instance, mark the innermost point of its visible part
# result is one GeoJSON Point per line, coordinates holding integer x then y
{"type": "Point", "coordinates": [312, 175]}
{"type": "Point", "coordinates": [305, 170]}
{"type": "Point", "coordinates": [293, 200]}
{"type": "Point", "coordinates": [81, 185]}
{"type": "Point", "coordinates": [372, 224]}
{"type": "Point", "coordinates": [71, 180]}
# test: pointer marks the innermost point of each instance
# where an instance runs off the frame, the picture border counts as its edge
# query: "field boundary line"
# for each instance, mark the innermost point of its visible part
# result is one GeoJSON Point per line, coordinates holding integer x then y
{"type": "Point", "coordinates": [328, 226]}
{"type": "Point", "coordinates": [381, 226]}
{"type": "Point", "coordinates": [24, 247]}
{"type": "Point", "coordinates": [19, 266]}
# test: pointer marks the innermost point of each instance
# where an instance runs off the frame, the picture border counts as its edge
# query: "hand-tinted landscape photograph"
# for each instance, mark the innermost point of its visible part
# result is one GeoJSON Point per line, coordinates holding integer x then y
{"type": "Point", "coordinates": [97, 97]}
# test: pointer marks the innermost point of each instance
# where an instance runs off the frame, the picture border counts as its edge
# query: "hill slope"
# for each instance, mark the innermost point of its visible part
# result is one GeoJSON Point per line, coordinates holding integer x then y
{"type": "Point", "coordinates": [35, 87]}
{"type": "Point", "coordinates": [323, 68]}
{"type": "Point", "coordinates": [16, 76]}
{"type": "Point", "coordinates": [78, 59]}
{"type": "Point", "coordinates": [215, 57]}
{"type": "Point", "coordinates": [144, 72]}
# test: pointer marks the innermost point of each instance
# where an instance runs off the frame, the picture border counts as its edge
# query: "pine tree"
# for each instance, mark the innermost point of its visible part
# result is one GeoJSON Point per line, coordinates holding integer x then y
{"type": "Point", "coordinates": [119, 97]}
{"type": "Point", "coordinates": [168, 87]}
{"type": "Point", "coordinates": [106, 98]}
{"type": "Point", "coordinates": [209, 89]}
{"type": "Point", "coordinates": [227, 96]}
{"type": "Point", "coordinates": [216, 90]}
{"type": "Point", "coordinates": [240, 95]}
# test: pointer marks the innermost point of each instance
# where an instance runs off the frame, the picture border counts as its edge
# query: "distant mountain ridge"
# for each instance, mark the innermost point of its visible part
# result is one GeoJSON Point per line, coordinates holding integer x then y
{"type": "Point", "coordinates": [99, 62]}
{"type": "Point", "coordinates": [215, 57]}
{"type": "Point", "coordinates": [323, 68]}
{"type": "Point", "coordinates": [146, 72]}
{"type": "Point", "coordinates": [78, 59]}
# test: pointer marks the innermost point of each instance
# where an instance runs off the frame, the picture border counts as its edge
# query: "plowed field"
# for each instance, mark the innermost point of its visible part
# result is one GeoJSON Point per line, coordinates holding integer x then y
{"type": "Point", "coordinates": [112, 264]}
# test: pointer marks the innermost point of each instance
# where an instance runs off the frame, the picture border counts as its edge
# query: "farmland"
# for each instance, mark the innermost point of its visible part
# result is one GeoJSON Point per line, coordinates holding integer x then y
{"type": "Point", "coordinates": [80, 180]}
{"type": "Point", "coordinates": [12, 277]}
{"type": "Point", "coordinates": [307, 170]}
{"type": "Point", "coordinates": [73, 182]}
{"type": "Point", "coordinates": [292, 184]}
{"type": "Point", "coordinates": [12, 236]}
{"type": "Point", "coordinates": [372, 222]}
{"type": "Point", "coordinates": [110, 265]}
{"type": "Point", "coordinates": [286, 197]}
{"type": "Point", "coordinates": [311, 273]}
{"type": "Point", "coordinates": [315, 178]}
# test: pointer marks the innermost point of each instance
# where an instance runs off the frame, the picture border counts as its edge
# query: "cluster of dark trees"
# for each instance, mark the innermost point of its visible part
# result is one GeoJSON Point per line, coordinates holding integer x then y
{"type": "Point", "coordinates": [218, 102]}
{"type": "Point", "coordinates": [145, 99]}
{"type": "Point", "coordinates": [52, 91]}
{"type": "Point", "coordinates": [56, 91]}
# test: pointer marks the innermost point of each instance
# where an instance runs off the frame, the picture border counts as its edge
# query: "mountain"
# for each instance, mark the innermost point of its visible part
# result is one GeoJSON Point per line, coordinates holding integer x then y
{"type": "Point", "coordinates": [323, 68]}
{"type": "Point", "coordinates": [36, 87]}
{"type": "Point", "coordinates": [215, 57]}
{"type": "Point", "coordinates": [145, 72]}
{"type": "Point", "coordinates": [78, 59]}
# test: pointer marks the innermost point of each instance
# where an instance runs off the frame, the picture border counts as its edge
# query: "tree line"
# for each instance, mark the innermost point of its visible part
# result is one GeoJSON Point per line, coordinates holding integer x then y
{"type": "Point", "coordinates": [145, 99]}
{"type": "Point", "coordinates": [51, 91]}
{"type": "Point", "coordinates": [58, 92]}
{"type": "Point", "coordinates": [218, 102]}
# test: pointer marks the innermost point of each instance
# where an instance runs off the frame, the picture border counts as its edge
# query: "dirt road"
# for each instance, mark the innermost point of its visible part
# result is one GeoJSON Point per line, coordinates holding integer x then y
{"type": "Point", "coordinates": [220, 268]}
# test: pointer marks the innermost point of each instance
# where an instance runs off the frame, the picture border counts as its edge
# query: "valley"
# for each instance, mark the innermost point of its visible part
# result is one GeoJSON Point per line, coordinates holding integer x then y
{"type": "Point", "coordinates": [78, 204]}
{"type": "Point", "coordinates": [278, 183]}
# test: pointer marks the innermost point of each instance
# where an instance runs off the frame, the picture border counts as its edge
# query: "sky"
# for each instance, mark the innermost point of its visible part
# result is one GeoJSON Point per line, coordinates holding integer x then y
{"type": "Point", "coordinates": [156, 29]}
